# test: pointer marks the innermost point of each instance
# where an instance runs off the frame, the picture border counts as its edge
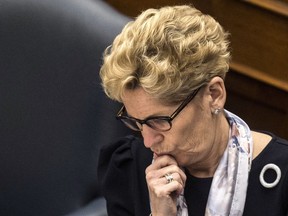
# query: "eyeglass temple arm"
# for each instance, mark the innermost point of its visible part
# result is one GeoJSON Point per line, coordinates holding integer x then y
{"type": "Point", "coordinates": [188, 99]}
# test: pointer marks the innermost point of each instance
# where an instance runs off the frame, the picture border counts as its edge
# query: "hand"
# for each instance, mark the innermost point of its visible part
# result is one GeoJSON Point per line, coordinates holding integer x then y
{"type": "Point", "coordinates": [163, 195]}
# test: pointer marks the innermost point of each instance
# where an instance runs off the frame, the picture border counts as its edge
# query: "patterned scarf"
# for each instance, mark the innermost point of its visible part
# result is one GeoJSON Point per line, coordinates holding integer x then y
{"type": "Point", "coordinates": [228, 190]}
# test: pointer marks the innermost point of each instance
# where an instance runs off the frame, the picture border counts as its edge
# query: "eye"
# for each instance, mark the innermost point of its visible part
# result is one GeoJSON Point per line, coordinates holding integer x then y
{"type": "Point", "coordinates": [159, 123]}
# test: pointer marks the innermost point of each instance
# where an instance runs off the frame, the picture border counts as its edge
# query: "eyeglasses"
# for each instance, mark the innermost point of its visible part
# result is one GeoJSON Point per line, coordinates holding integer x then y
{"type": "Point", "coordinates": [158, 123]}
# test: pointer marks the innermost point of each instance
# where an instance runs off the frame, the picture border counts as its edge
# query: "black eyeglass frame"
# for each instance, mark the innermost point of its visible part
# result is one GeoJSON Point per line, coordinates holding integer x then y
{"type": "Point", "coordinates": [169, 119]}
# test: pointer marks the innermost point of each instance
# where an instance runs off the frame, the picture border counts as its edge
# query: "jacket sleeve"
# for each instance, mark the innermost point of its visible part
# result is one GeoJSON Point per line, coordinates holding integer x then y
{"type": "Point", "coordinates": [116, 177]}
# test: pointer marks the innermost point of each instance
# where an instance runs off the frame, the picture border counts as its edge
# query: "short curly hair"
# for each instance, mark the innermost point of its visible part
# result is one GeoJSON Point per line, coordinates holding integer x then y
{"type": "Point", "coordinates": [169, 52]}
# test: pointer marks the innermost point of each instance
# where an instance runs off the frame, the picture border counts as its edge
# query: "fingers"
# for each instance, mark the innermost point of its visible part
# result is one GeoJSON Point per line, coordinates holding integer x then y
{"type": "Point", "coordinates": [164, 176]}
{"type": "Point", "coordinates": [172, 183]}
{"type": "Point", "coordinates": [166, 184]}
{"type": "Point", "coordinates": [162, 166]}
{"type": "Point", "coordinates": [165, 181]}
{"type": "Point", "coordinates": [162, 161]}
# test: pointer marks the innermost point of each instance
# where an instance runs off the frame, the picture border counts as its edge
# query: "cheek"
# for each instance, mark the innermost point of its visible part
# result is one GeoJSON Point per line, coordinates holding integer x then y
{"type": "Point", "coordinates": [194, 133]}
{"type": "Point", "coordinates": [181, 137]}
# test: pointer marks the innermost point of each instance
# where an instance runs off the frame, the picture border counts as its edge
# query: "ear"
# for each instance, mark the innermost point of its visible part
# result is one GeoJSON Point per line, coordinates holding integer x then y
{"type": "Point", "coordinates": [217, 93]}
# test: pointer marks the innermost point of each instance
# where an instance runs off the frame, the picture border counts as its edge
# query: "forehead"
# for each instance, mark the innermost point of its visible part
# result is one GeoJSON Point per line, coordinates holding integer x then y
{"type": "Point", "coordinates": [140, 104]}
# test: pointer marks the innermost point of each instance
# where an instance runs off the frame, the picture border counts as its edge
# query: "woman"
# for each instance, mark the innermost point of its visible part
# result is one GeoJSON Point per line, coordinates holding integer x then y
{"type": "Point", "coordinates": [196, 158]}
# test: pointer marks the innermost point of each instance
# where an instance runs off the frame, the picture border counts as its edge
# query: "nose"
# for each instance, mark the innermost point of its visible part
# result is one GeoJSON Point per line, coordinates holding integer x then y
{"type": "Point", "coordinates": [150, 136]}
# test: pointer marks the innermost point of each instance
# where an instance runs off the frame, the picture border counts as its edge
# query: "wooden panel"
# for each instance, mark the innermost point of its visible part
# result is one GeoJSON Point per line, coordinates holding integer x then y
{"type": "Point", "coordinates": [277, 6]}
{"type": "Point", "coordinates": [263, 107]}
{"type": "Point", "coordinates": [258, 38]}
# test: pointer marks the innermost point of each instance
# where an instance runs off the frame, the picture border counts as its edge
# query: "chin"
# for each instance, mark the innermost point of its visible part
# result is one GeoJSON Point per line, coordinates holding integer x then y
{"type": "Point", "coordinates": [180, 161]}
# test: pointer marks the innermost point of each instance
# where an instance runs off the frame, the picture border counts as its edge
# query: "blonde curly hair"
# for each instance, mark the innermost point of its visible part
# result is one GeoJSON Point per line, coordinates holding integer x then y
{"type": "Point", "coordinates": [169, 52]}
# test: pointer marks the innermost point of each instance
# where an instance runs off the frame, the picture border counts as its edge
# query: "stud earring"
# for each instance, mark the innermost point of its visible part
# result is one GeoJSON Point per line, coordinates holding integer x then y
{"type": "Point", "coordinates": [217, 111]}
